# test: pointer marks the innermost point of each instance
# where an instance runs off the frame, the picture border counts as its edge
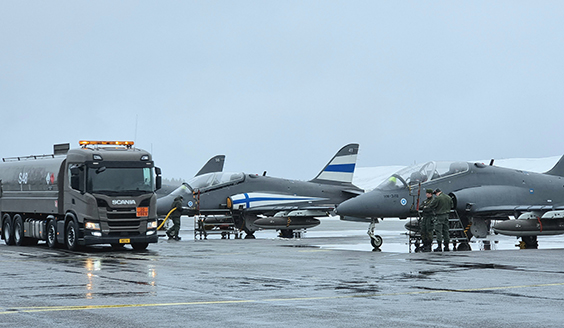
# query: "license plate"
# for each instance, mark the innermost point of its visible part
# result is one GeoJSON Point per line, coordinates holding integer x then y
{"type": "Point", "coordinates": [124, 241]}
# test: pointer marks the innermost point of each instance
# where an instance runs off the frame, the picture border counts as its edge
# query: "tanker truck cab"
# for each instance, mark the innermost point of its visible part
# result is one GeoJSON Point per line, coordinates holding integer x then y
{"type": "Point", "coordinates": [105, 195]}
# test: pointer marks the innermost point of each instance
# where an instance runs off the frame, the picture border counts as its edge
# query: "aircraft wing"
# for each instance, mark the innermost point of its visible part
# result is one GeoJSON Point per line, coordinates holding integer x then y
{"type": "Point", "coordinates": [276, 209]}
{"type": "Point", "coordinates": [354, 192]}
{"type": "Point", "coordinates": [505, 210]}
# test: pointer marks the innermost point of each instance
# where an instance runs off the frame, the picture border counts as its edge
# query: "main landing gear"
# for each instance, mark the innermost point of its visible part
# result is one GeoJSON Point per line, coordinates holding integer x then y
{"type": "Point", "coordinates": [528, 242]}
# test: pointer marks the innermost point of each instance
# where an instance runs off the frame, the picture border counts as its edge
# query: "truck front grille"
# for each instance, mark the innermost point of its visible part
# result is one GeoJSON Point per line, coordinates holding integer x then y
{"type": "Point", "coordinates": [123, 219]}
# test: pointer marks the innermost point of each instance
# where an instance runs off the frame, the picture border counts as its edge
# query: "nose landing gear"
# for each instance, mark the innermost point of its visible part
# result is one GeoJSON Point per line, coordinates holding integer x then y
{"type": "Point", "coordinates": [375, 240]}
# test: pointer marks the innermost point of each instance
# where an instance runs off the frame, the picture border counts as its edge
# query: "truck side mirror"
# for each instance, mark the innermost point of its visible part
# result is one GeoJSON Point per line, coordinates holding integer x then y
{"type": "Point", "coordinates": [159, 180]}
{"type": "Point", "coordinates": [75, 172]}
{"type": "Point", "coordinates": [75, 182]}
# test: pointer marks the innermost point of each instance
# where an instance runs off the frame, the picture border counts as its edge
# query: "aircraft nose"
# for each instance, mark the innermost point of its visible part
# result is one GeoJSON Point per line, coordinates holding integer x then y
{"type": "Point", "coordinates": [357, 207]}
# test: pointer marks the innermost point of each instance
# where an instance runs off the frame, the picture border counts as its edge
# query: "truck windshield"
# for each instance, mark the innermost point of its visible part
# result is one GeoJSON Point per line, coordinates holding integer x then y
{"type": "Point", "coordinates": [119, 180]}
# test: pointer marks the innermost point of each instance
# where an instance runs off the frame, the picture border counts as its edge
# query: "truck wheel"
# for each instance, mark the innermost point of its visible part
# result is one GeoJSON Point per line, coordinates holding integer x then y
{"type": "Point", "coordinates": [51, 234]}
{"type": "Point", "coordinates": [7, 230]}
{"type": "Point", "coordinates": [140, 246]}
{"type": "Point", "coordinates": [71, 236]}
{"type": "Point", "coordinates": [18, 230]}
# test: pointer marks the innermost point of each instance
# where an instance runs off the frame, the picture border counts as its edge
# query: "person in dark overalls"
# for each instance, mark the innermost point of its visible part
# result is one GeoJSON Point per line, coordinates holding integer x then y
{"type": "Point", "coordinates": [442, 204]}
{"type": "Point", "coordinates": [427, 221]}
{"type": "Point", "coordinates": [172, 233]}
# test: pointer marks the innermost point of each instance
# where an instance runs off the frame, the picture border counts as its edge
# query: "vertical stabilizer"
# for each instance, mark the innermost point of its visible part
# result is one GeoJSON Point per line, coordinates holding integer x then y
{"type": "Point", "coordinates": [340, 169]}
{"type": "Point", "coordinates": [215, 164]}
{"type": "Point", "coordinates": [558, 169]}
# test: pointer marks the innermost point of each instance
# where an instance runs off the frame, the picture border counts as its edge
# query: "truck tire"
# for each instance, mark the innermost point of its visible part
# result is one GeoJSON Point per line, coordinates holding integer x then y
{"type": "Point", "coordinates": [8, 230]}
{"type": "Point", "coordinates": [71, 236]}
{"type": "Point", "coordinates": [18, 230]}
{"type": "Point", "coordinates": [52, 234]}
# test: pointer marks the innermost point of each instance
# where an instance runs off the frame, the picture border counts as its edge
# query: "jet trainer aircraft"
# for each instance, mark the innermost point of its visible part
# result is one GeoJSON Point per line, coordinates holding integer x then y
{"type": "Point", "coordinates": [261, 202]}
{"type": "Point", "coordinates": [214, 164]}
{"type": "Point", "coordinates": [480, 193]}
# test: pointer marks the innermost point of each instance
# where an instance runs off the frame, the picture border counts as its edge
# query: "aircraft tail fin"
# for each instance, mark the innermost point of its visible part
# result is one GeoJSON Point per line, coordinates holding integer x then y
{"type": "Point", "coordinates": [340, 169]}
{"type": "Point", "coordinates": [215, 164]}
{"type": "Point", "coordinates": [558, 169]}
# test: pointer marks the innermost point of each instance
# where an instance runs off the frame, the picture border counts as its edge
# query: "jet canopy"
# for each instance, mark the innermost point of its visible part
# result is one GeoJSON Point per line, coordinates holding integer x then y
{"type": "Point", "coordinates": [213, 179]}
{"type": "Point", "coordinates": [420, 173]}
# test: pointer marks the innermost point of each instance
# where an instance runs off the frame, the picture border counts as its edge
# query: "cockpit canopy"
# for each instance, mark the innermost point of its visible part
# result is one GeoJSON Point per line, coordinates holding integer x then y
{"type": "Point", "coordinates": [421, 173]}
{"type": "Point", "coordinates": [207, 180]}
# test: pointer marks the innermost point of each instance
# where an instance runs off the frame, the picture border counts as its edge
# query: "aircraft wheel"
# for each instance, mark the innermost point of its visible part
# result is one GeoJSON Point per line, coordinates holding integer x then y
{"type": "Point", "coordinates": [7, 230]}
{"type": "Point", "coordinates": [140, 246]}
{"type": "Point", "coordinates": [530, 242]}
{"type": "Point", "coordinates": [51, 234]}
{"type": "Point", "coordinates": [287, 233]}
{"type": "Point", "coordinates": [18, 230]}
{"type": "Point", "coordinates": [71, 236]}
{"type": "Point", "coordinates": [376, 241]}
{"type": "Point", "coordinates": [462, 247]}
{"type": "Point", "coordinates": [250, 236]}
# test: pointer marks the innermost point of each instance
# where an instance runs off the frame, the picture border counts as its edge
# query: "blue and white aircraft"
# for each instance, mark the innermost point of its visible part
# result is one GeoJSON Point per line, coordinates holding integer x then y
{"type": "Point", "coordinates": [256, 202]}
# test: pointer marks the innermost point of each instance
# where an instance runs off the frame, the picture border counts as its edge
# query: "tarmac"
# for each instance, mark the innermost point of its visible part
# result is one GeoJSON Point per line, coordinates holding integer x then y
{"type": "Point", "coordinates": [330, 277]}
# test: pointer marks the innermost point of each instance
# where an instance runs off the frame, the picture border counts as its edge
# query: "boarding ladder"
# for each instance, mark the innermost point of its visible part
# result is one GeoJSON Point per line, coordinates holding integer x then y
{"type": "Point", "coordinates": [457, 232]}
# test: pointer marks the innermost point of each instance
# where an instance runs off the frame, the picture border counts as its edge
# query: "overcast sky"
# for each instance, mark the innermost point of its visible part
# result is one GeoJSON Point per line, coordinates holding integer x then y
{"type": "Point", "coordinates": [282, 85]}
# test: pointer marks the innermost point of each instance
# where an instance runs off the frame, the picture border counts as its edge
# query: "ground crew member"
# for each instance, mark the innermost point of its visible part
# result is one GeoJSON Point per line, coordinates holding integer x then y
{"type": "Point", "coordinates": [442, 204]}
{"type": "Point", "coordinates": [427, 221]}
{"type": "Point", "coordinates": [202, 228]}
{"type": "Point", "coordinates": [172, 233]}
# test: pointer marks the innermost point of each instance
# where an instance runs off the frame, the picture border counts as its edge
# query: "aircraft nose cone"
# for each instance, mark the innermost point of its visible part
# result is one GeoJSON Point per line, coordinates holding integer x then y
{"type": "Point", "coordinates": [353, 207]}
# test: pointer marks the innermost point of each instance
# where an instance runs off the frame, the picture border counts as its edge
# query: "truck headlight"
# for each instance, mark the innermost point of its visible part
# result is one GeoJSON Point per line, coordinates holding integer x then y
{"type": "Point", "coordinates": [151, 224]}
{"type": "Point", "coordinates": [92, 225]}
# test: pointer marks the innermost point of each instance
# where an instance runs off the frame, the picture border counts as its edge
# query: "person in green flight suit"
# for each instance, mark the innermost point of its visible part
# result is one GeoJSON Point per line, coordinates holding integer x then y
{"type": "Point", "coordinates": [426, 222]}
{"type": "Point", "coordinates": [442, 204]}
{"type": "Point", "coordinates": [172, 233]}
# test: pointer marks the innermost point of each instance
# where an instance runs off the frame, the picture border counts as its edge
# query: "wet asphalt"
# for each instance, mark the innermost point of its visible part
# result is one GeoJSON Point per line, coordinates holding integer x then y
{"type": "Point", "coordinates": [328, 278]}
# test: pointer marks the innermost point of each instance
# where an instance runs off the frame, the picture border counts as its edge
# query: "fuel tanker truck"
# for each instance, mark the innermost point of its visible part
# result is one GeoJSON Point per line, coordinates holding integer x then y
{"type": "Point", "coordinates": [100, 193]}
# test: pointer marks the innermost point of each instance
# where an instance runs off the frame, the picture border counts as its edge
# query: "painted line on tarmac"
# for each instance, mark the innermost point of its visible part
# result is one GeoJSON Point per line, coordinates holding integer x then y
{"type": "Point", "coordinates": [121, 306]}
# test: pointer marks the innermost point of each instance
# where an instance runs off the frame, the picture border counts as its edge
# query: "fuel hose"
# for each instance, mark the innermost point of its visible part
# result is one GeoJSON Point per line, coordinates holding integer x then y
{"type": "Point", "coordinates": [166, 218]}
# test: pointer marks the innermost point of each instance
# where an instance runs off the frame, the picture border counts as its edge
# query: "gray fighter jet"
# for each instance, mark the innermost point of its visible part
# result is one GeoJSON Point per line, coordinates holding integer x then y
{"type": "Point", "coordinates": [256, 202]}
{"type": "Point", "coordinates": [480, 193]}
{"type": "Point", "coordinates": [214, 164]}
